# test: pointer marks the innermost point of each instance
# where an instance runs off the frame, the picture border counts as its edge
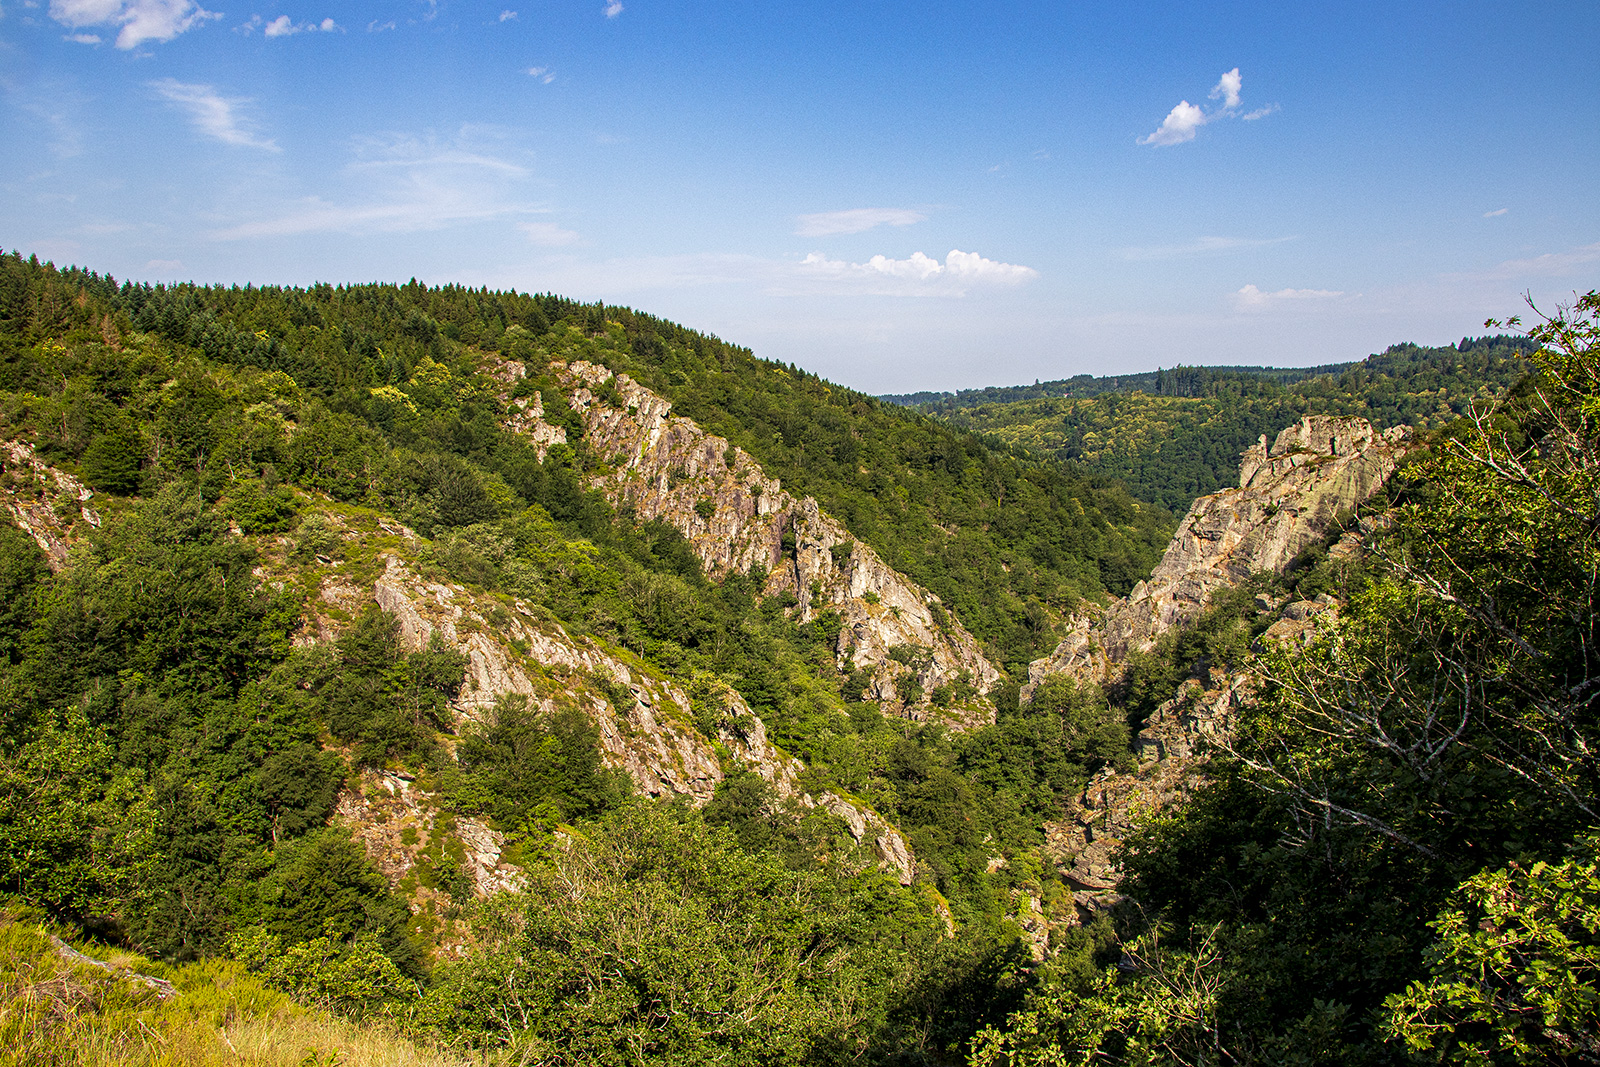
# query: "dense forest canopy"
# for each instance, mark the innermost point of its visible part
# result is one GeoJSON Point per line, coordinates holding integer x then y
{"type": "Point", "coordinates": [1172, 435]}
{"type": "Point", "coordinates": [1011, 545]}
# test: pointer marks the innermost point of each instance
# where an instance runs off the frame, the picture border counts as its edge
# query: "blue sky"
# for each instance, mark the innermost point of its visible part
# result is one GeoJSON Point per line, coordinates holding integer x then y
{"type": "Point", "coordinates": [896, 196]}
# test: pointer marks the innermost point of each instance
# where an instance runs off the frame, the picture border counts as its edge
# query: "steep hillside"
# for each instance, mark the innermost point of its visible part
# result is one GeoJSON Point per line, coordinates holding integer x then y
{"type": "Point", "coordinates": [1176, 434]}
{"type": "Point", "coordinates": [333, 634]}
{"type": "Point", "coordinates": [1302, 494]}
{"type": "Point", "coordinates": [1010, 546]}
{"type": "Point", "coordinates": [1362, 830]}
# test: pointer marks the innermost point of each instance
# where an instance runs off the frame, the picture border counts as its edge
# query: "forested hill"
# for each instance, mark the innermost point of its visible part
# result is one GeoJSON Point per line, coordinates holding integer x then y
{"type": "Point", "coordinates": [1011, 545]}
{"type": "Point", "coordinates": [1173, 435]}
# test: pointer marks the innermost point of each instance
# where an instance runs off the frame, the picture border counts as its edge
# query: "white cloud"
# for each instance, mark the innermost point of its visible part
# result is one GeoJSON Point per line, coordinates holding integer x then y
{"type": "Point", "coordinates": [544, 74]}
{"type": "Point", "coordinates": [379, 27]}
{"type": "Point", "coordinates": [141, 20]}
{"type": "Point", "coordinates": [613, 8]}
{"type": "Point", "coordinates": [214, 115]}
{"type": "Point", "coordinates": [1496, 212]}
{"type": "Point", "coordinates": [548, 234]}
{"type": "Point", "coordinates": [84, 38]}
{"type": "Point", "coordinates": [971, 265]}
{"type": "Point", "coordinates": [919, 274]}
{"type": "Point", "coordinates": [1204, 246]}
{"type": "Point", "coordinates": [1184, 120]}
{"type": "Point", "coordinates": [1228, 89]}
{"type": "Point", "coordinates": [163, 266]}
{"type": "Point", "coordinates": [1178, 126]}
{"type": "Point", "coordinates": [854, 220]}
{"type": "Point", "coordinates": [1251, 298]}
{"type": "Point", "coordinates": [283, 27]}
{"type": "Point", "coordinates": [507, 15]}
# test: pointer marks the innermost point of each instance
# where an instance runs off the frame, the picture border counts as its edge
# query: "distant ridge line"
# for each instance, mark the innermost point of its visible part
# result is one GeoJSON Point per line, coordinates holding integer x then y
{"type": "Point", "coordinates": [1179, 380]}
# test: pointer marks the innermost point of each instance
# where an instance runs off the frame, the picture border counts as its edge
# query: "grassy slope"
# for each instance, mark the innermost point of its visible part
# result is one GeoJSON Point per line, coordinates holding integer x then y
{"type": "Point", "coordinates": [58, 1013]}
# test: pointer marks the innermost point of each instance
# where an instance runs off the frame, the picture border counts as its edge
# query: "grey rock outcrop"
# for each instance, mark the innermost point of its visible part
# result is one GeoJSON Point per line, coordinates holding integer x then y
{"type": "Point", "coordinates": [43, 501]}
{"type": "Point", "coordinates": [1289, 496]}
{"type": "Point", "coordinates": [645, 723]}
{"type": "Point", "coordinates": [737, 518]}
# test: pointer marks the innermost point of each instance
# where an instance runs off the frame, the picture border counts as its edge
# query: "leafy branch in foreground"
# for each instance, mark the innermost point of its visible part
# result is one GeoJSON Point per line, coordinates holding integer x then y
{"type": "Point", "coordinates": [1516, 970]}
{"type": "Point", "coordinates": [1476, 659]}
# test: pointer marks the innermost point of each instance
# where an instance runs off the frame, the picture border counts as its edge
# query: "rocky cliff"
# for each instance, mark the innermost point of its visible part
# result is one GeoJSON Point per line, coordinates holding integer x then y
{"type": "Point", "coordinates": [1290, 496]}
{"type": "Point", "coordinates": [737, 518]}
{"type": "Point", "coordinates": [44, 502]}
{"type": "Point", "coordinates": [646, 724]}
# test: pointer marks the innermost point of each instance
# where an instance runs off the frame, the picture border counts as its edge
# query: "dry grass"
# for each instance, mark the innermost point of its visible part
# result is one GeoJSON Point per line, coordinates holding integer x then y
{"type": "Point", "coordinates": [56, 1013]}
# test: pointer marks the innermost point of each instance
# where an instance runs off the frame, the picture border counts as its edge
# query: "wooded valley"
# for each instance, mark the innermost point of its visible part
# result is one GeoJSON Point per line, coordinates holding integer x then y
{"type": "Point", "coordinates": [410, 674]}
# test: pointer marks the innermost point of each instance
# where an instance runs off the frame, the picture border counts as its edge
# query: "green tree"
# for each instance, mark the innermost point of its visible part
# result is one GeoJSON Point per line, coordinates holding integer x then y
{"type": "Point", "coordinates": [1515, 970]}
{"type": "Point", "coordinates": [653, 938]}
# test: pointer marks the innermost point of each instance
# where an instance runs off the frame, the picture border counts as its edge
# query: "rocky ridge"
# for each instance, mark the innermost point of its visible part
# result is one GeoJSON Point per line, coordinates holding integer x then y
{"type": "Point", "coordinates": [737, 518]}
{"type": "Point", "coordinates": [1290, 496]}
{"type": "Point", "coordinates": [646, 723]}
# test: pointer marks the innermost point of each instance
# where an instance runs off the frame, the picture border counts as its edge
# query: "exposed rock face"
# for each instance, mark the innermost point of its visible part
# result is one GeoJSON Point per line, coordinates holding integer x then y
{"type": "Point", "coordinates": [651, 735]}
{"type": "Point", "coordinates": [43, 501]}
{"type": "Point", "coordinates": [1289, 497]}
{"type": "Point", "coordinates": [666, 467]}
{"type": "Point", "coordinates": [404, 834]}
{"type": "Point", "coordinates": [509, 651]}
{"type": "Point", "coordinates": [527, 418]}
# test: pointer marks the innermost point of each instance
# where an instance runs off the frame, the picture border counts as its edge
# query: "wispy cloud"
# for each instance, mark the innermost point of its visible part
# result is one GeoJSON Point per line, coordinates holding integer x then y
{"type": "Point", "coordinates": [1251, 298]}
{"type": "Point", "coordinates": [613, 8]}
{"type": "Point", "coordinates": [1204, 246]}
{"type": "Point", "coordinates": [544, 74]}
{"type": "Point", "coordinates": [1550, 264]}
{"type": "Point", "coordinates": [548, 234]}
{"type": "Point", "coordinates": [917, 275]}
{"type": "Point", "coordinates": [140, 20]}
{"type": "Point", "coordinates": [409, 184]}
{"type": "Point", "coordinates": [1184, 120]}
{"type": "Point", "coordinates": [212, 114]}
{"type": "Point", "coordinates": [57, 107]}
{"type": "Point", "coordinates": [854, 220]}
{"type": "Point", "coordinates": [1497, 212]}
{"type": "Point", "coordinates": [507, 15]}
